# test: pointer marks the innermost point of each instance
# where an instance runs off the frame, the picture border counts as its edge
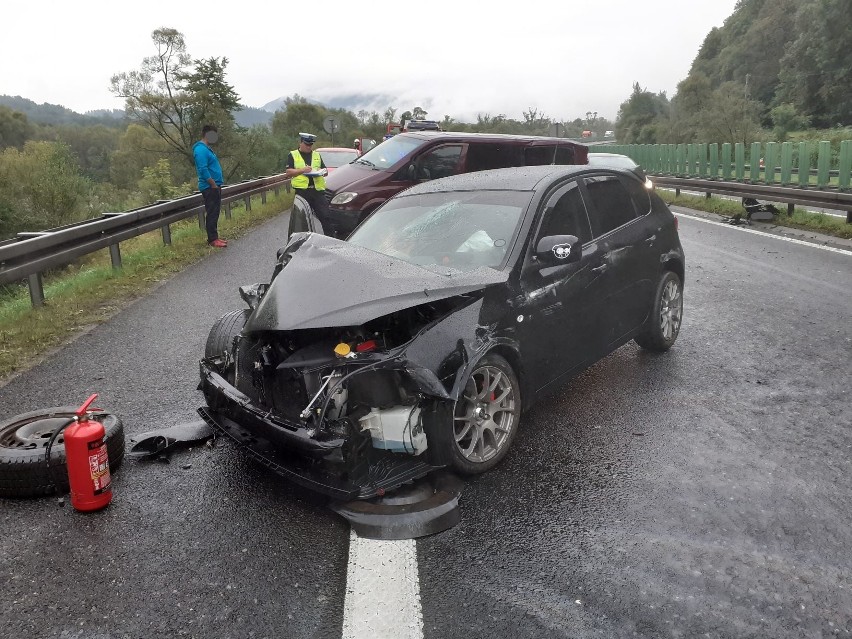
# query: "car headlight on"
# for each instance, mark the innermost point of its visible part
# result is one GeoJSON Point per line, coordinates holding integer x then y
{"type": "Point", "coordinates": [344, 198]}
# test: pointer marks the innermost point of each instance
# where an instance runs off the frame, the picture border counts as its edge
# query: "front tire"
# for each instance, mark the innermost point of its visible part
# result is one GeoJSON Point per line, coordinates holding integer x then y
{"type": "Point", "coordinates": [225, 329]}
{"type": "Point", "coordinates": [666, 316]}
{"type": "Point", "coordinates": [485, 417]}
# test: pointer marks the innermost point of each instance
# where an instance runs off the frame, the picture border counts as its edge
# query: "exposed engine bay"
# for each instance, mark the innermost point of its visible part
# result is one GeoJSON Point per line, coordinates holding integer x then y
{"type": "Point", "coordinates": [341, 382]}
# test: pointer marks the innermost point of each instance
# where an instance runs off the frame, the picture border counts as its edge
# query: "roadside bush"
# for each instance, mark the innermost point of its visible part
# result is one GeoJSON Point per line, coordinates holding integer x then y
{"type": "Point", "coordinates": [40, 188]}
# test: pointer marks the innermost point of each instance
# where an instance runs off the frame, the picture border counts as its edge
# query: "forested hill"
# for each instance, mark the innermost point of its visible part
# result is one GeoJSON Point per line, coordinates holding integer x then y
{"type": "Point", "coordinates": [796, 52]}
{"type": "Point", "coordinates": [774, 64]}
{"type": "Point", "coordinates": [57, 114]}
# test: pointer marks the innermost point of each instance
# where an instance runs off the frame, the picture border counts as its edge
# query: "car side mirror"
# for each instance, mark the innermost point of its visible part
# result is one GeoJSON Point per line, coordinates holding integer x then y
{"type": "Point", "coordinates": [303, 219]}
{"type": "Point", "coordinates": [555, 250]}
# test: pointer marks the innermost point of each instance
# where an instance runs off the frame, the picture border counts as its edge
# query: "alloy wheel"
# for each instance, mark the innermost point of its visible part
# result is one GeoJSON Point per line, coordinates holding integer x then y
{"type": "Point", "coordinates": [671, 310]}
{"type": "Point", "coordinates": [485, 415]}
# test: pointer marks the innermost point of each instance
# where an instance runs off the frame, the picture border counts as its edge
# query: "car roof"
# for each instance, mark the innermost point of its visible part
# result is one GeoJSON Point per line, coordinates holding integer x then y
{"type": "Point", "coordinates": [524, 178]}
{"type": "Point", "coordinates": [618, 157]}
{"type": "Point", "coordinates": [484, 137]}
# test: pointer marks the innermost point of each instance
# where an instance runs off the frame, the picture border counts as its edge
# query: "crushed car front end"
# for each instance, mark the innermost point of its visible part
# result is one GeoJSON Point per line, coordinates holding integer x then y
{"type": "Point", "coordinates": [339, 395]}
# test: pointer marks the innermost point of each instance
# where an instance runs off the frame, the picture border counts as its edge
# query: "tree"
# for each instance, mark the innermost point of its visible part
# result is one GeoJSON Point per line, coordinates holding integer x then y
{"type": "Point", "coordinates": [297, 117]}
{"type": "Point", "coordinates": [156, 183]}
{"type": "Point", "coordinates": [730, 116]}
{"type": "Point", "coordinates": [15, 129]}
{"type": "Point", "coordinates": [389, 115]}
{"type": "Point", "coordinates": [785, 118]}
{"type": "Point", "coordinates": [210, 97]}
{"type": "Point", "coordinates": [40, 187]}
{"type": "Point", "coordinates": [172, 99]}
{"type": "Point", "coordinates": [137, 148]}
{"type": "Point", "coordinates": [419, 113]}
{"type": "Point", "coordinates": [817, 66]}
{"type": "Point", "coordinates": [535, 122]}
{"type": "Point", "coordinates": [92, 146]}
{"type": "Point", "coordinates": [640, 116]}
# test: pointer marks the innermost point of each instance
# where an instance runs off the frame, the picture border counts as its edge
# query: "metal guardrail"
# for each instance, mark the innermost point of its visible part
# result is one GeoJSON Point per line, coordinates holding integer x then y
{"type": "Point", "coordinates": [28, 255]}
{"type": "Point", "coordinates": [824, 198]}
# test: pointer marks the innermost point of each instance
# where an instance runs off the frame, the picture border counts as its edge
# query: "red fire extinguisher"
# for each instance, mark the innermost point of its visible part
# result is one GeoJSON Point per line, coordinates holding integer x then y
{"type": "Point", "coordinates": [88, 464]}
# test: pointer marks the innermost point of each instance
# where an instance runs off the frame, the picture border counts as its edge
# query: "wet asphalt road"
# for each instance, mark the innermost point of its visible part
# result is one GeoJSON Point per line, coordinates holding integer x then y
{"type": "Point", "coordinates": [704, 492]}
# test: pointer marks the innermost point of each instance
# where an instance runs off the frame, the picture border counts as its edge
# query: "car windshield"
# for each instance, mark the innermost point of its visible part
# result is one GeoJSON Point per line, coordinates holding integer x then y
{"type": "Point", "coordinates": [462, 230]}
{"type": "Point", "coordinates": [390, 151]}
{"type": "Point", "coordinates": [334, 159]}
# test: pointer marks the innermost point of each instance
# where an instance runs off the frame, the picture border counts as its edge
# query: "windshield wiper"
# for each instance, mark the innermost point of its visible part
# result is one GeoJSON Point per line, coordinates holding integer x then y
{"type": "Point", "coordinates": [367, 162]}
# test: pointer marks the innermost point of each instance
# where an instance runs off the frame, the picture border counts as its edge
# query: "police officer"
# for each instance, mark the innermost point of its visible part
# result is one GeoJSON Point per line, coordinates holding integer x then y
{"type": "Point", "coordinates": [302, 161]}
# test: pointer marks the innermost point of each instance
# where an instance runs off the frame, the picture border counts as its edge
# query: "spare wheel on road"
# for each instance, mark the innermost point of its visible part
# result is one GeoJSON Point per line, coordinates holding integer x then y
{"type": "Point", "coordinates": [23, 441]}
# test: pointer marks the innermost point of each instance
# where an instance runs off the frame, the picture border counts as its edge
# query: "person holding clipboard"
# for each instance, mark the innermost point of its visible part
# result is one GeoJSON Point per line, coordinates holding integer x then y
{"type": "Point", "coordinates": [307, 172]}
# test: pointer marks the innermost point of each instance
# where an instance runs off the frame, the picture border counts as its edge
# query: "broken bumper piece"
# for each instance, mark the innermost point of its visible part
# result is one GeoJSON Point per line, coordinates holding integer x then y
{"type": "Point", "coordinates": [290, 451]}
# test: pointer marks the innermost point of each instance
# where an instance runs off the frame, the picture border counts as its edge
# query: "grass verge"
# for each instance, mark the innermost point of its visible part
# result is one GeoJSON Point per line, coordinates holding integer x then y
{"type": "Point", "coordinates": [801, 219]}
{"type": "Point", "coordinates": [90, 291]}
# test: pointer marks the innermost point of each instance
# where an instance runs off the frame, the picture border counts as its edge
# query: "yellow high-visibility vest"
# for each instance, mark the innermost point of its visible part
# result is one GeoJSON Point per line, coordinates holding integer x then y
{"type": "Point", "coordinates": [301, 181]}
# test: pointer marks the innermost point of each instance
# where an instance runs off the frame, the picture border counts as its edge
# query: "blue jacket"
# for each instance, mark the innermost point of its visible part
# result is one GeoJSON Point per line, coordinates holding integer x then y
{"type": "Point", "coordinates": [206, 165]}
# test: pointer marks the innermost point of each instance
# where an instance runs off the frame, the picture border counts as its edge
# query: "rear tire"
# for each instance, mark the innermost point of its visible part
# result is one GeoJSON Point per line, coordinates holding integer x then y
{"type": "Point", "coordinates": [666, 316]}
{"type": "Point", "coordinates": [23, 442]}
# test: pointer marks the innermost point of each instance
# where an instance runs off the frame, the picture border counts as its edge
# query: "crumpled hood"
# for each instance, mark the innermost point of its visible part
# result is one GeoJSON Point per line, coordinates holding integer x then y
{"type": "Point", "coordinates": [329, 282]}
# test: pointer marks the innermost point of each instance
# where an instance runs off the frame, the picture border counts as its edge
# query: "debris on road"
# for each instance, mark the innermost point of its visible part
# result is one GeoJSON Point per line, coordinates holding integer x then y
{"type": "Point", "coordinates": [160, 443]}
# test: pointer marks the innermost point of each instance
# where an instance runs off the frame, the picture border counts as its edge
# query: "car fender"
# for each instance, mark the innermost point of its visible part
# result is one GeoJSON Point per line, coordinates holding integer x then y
{"type": "Point", "coordinates": [507, 348]}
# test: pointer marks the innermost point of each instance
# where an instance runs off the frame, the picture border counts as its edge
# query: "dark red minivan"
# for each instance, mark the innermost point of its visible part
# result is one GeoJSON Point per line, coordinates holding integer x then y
{"type": "Point", "coordinates": [355, 190]}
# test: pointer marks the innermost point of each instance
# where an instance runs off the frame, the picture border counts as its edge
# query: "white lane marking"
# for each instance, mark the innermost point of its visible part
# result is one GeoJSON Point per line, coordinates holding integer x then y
{"type": "Point", "coordinates": [763, 233]}
{"type": "Point", "coordinates": [382, 590]}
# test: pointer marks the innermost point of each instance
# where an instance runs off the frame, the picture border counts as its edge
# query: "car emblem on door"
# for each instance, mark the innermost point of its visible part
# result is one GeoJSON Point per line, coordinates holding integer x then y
{"type": "Point", "coordinates": [562, 251]}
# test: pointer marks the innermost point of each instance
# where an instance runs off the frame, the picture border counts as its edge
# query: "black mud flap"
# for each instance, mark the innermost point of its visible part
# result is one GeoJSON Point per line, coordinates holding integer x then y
{"type": "Point", "coordinates": [425, 507]}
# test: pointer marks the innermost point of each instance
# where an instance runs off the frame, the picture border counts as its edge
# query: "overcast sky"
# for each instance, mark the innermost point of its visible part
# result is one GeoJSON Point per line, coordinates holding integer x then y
{"type": "Point", "coordinates": [454, 58]}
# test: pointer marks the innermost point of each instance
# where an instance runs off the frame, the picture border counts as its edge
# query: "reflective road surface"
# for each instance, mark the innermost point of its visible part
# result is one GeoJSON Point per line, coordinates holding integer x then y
{"type": "Point", "coordinates": [705, 492]}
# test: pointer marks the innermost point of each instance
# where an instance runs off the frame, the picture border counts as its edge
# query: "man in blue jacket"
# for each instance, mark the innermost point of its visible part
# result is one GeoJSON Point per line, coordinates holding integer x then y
{"type": "Point", "coordinates": [209, 182]}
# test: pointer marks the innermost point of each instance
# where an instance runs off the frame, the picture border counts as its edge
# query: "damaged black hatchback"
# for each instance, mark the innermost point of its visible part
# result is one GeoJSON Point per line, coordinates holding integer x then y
{"type": "Point", "coordinates": [419, 341]}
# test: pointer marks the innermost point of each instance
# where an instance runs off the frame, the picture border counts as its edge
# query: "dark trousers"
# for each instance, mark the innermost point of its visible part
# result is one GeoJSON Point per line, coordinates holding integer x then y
{"type": "Point", "coordinates": [319, 205]}
{"type": "Point", "coordinates": [212, 205]}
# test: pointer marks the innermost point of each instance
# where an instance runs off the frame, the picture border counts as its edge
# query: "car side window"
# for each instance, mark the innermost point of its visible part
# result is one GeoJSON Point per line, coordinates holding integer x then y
{"type": "Point", "coordinates": [438, 163]}
{"type": "Point", "coordinates": [566, 215]}
{"type": "Point", "coordinates": [542, 155]}
{"type": "Point", "coordinates": [483, 156]}
{"type": "Point", "coordinates": [610, 204]}
{"type": "Point", "coordinates": [639, 194]}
